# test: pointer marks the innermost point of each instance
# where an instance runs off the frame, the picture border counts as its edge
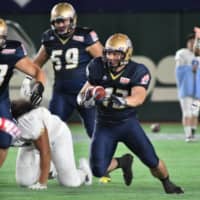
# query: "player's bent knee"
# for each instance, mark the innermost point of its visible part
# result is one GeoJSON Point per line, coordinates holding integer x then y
{"type": "Point", "coordinates": [24, 181]}
{"type": "Point", "coordinates": [67, 179]}
{"type": "Point", "coordinates": [26, 176]}
{"type": "Point", "coordinates": [98, 171]}
{"type": "Point", "coordinates": [151, 163]}
{"type": "Point", "coordinates": [71, 183]}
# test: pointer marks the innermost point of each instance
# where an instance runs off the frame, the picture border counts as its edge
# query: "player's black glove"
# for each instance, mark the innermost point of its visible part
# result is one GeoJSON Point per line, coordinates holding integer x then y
{"type": "Point", "coordinates": [119, 101]}
{"type": "Point", "coordinates": [36, 93]}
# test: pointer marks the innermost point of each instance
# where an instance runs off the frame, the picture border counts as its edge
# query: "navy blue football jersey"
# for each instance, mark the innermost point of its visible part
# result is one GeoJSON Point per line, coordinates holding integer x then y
{"type": "Point", "coordinates": [9, 56]}
{"type": "Point", "coordinates": [69, 57]}
{"type": "Point", "coordinates": [119, 84]}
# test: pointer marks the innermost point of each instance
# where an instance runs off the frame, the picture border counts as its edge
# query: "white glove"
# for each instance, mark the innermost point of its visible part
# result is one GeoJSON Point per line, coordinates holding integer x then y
{"type": "Point", "coordinates": [38, 186]}
{"type": "Point", "coordinates": [25, 90]}
{"type": "Point", "coordinates": [195, 107]}
{"type": "Point", "coordinates": [86, 99]}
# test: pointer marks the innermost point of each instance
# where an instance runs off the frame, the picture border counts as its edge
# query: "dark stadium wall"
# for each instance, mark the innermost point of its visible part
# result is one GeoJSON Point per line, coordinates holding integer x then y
{"type": "Point", "coordinates": [156, 36]}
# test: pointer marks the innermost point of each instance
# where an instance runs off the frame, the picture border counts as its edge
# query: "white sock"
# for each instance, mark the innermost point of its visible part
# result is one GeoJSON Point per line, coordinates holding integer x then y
{"type": "Point", "coordinates": [188, 131]}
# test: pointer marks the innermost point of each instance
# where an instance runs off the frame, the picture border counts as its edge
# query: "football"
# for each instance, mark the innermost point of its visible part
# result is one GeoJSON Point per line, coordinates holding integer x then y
{"type": "Point", "coordinates": [98, 92]}
{"type": "Point", "coordinates": [155, 128]}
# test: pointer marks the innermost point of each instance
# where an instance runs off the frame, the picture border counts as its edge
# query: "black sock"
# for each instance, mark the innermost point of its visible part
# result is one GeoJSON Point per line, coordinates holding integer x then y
{"type": "Point", "coordinates": [164, 180]}
{"type": "Point", "coordinates": [119, 162]}
{"type": "Point", "coordinates": [193, 131]}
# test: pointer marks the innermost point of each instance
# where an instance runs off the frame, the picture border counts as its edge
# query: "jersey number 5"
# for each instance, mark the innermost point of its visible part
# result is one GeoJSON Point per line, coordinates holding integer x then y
{"type": "Point", "coordinates": [71, 58]}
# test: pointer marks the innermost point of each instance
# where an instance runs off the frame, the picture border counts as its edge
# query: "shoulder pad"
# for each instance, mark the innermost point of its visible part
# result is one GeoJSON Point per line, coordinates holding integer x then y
{"type": "Point", "coordinates": [13, 44]}
{"type": "Point", "coordinates": [83, 30]}
{"type": "Point", "coordinates": [47, 34]}
{"type": "Point", "coordinates": [182, 51]}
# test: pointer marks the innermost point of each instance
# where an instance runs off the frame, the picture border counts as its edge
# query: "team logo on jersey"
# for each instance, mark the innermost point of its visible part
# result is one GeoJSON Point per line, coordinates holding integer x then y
{"type": "Point", "coordinates": [94, 36]}
{"type": "Point", "coordinates": [8, 51]}
{"type": "Point", "coordinates": [195, 63]}
{"type": "Point", "coordinates": [78, 38]}
{"type": "Point", "coordinates": [9, 127]}
{"type": "Point", "coordinates": [145, 79]}
{"type": "Point", "coordinates": [105, 78]}
{"type": "Point", "coordinates": [52, 38]}
{"type": "Point", "coordinates": [124, 80]}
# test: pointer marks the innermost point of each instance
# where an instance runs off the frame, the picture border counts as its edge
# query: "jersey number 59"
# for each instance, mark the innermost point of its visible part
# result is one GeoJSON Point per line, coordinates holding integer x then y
{"type": "Point", "coordinates": [70, 56]}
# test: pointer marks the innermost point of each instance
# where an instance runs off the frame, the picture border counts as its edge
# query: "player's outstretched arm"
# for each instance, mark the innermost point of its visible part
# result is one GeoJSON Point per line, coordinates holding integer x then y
{"type": "Point", "coordinates": [42, 144]}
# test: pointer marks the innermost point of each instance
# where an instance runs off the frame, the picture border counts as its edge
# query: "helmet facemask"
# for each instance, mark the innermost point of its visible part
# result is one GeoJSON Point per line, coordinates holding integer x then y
{"type": "Point", "coordinates": [114, 59]}
{"type": "Point", "coordinates": [3, 33]}
{"type": "Point", "coordinates": [2, 40]}
{"type": "Point", "coordinates": [63, 27]}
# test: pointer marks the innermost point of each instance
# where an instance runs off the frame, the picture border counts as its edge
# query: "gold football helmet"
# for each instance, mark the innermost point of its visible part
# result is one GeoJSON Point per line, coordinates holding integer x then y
{"type": "Point", "coordinates": [119, 43]}
{"type": "Point", "coordinates": [60, 12]}
{"type": "Point", "coordinates": [3, 32]}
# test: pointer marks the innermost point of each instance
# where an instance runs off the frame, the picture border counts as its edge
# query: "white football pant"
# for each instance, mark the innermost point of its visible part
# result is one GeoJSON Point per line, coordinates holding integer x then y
{"type": "Point", "coordinates": [62, 154]}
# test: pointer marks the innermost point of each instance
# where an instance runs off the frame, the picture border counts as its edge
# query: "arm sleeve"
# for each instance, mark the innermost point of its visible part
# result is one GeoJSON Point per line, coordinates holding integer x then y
{"type": "Point", "coordinates": [20, 52]}
{"type": "Point", "coordinates": [141, 77]}
{"type": "Point", "coordinates": [92, 72]}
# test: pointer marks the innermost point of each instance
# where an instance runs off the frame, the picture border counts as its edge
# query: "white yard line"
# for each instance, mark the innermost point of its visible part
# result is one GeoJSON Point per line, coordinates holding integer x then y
{"type": "Point", "coordinates": [153, 136]}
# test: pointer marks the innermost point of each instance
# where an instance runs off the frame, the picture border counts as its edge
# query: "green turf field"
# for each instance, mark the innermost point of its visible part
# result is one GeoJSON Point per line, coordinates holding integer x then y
{"type": "Point", "coordinates": [182, 159]}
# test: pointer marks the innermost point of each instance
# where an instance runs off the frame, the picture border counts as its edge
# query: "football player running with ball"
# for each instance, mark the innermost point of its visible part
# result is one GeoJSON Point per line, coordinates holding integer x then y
{"type": "Point", "coordinates": [126, 84]}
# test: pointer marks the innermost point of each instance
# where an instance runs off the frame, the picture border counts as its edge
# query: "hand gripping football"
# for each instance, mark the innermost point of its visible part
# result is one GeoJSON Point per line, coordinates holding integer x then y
{"type": "Point", "coordinates": [98, 92]}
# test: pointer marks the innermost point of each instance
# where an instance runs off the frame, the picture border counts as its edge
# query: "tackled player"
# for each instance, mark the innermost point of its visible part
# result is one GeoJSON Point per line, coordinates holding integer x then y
{"type": "Point", "coordinates": [51, 138]}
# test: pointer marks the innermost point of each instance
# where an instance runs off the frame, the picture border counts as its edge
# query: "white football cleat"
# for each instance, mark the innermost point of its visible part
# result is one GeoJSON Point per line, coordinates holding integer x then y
{"type": "Point", "coordinates": [190, 139]}
{"type": "Point", "coordinates": [84, 165]}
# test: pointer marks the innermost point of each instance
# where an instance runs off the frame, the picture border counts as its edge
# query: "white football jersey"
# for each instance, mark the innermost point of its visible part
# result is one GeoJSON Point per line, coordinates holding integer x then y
{"type": "Point", "coordinates": [184, 57]}
{"type": "Point", "coordinates": [31, 124]}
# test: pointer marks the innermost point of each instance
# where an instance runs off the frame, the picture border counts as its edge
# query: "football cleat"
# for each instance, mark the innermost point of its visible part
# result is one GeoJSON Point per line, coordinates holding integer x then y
{"type": "Point", "coordinates": [190, 139]}
{"type": "Point", "coordinates": [83, 164]}
{"type": "Point", "coordinates": [126, 162]}
{"type": "Point", "coordinates": [105, 179]}
{"type": "Point", "coordinates": [171, 188]}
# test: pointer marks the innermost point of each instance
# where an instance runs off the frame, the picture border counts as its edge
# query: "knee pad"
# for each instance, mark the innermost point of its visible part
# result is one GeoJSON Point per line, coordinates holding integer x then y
{"type": "Point", "coordinates": [98, 171]}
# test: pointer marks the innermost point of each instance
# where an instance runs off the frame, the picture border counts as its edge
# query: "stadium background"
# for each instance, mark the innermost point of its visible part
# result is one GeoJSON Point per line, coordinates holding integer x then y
{"type": "Point", "coordinates": [157, 29]}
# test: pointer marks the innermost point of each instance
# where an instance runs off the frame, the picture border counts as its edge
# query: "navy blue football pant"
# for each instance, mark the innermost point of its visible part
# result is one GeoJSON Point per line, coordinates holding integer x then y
{"type": "Point", "coordinates": [5, 138]}
{"type": "Point", "coordinates": [63, 105]}
{"type": "Point", "coordinates": [106, 138]}
{"type": "Point", "coordinates": [5, 108]}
